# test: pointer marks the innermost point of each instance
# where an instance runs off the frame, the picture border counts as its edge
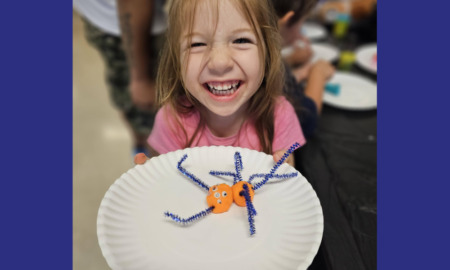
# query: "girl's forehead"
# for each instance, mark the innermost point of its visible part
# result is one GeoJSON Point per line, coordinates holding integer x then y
{"type": "Point", "coordinates": [212, 16]}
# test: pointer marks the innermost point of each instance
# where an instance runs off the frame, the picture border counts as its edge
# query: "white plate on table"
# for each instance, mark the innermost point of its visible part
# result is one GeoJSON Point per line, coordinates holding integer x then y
{"type": "Point", "coordinates": [356, 92]}
{"type": "Point", "coordinates": [134, 234]}
{"type": "Point", "coordinates": [366, 57]}
{"type": "Point", "coordinates": [324, 51]}
{"type": "Point", "coordinates": [313, 31]}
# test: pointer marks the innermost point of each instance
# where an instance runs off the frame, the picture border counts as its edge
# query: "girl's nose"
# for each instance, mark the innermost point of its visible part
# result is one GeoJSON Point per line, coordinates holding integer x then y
{"type": "Point", "coordinates": [220, 60]}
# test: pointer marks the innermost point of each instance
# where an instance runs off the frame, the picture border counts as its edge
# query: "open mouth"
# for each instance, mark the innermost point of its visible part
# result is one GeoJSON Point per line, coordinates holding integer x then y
{"type": "Point", "coordinates": [223, 88]}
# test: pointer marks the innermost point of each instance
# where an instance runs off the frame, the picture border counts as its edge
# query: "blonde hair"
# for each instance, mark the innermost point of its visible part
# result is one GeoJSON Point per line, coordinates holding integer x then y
{"type": "Point", "coordinates": [169, 82]}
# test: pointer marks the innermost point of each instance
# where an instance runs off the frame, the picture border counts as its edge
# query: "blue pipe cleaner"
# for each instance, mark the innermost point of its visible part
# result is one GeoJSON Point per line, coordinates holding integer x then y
{"type": "Point", "coordinates": [284, 176]}
{"type": "Point", "coordinates": [189, 175]}
{"type": "Point", "coordinates": [186, 221]}
{"type": "Point", "coordinates": [251, 212]}
{"type": "Point", "coordinates": [238, 165]}
{"type": "Point", "coordinates": [277, 165]}
{"type": "Point", "coordinates": [217, 173]}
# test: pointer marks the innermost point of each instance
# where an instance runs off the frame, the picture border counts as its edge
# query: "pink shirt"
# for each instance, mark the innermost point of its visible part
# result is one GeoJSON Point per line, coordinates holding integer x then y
{"type": "Point", "coordinates": [167, 136]}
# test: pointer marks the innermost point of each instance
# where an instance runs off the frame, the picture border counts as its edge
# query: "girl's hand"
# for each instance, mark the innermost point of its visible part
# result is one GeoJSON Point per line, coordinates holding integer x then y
{"type": "Point", "coordinates": [279, 154]}
{"type": "Point", "coordinates": [140, 158]}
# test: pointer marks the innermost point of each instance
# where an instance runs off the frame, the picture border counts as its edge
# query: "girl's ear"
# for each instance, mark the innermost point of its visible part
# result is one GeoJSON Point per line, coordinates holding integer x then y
{"type": "Point", "coordinates": [283, 20]}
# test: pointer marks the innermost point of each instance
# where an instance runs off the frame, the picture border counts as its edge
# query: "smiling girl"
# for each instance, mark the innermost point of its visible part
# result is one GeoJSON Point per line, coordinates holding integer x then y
{"type": "Point", "coordinates": [220, 80]}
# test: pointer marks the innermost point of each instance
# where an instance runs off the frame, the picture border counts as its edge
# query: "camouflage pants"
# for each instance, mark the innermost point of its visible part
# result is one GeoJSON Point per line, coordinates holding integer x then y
{"type": "Point", "coordinates": [117, 75]}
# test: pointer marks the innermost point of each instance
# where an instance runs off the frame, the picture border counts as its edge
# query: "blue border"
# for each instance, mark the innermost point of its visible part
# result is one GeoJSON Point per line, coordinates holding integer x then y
{"type": "Point", "coordinates": [36, 142]}
{"type": "Point", "coordinates": [413, 94]}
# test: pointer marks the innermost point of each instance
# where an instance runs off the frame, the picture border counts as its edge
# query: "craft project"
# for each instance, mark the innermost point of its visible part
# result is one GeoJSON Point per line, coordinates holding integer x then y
{"type": "Point", "coordinates": [220, 197]}
{"type": "Point", "coordinates": [134, 233]}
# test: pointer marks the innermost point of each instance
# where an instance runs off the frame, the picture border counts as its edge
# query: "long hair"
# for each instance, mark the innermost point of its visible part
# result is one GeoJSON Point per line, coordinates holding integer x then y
{"type": "Point", "coordinates": [260, 109]}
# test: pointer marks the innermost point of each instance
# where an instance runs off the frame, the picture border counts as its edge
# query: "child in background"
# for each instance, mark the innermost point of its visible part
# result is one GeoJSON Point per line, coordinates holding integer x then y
{"type": "Point", "coordinates": [307, 99]}
{"type": "Point", "coordinates": [220, 80]}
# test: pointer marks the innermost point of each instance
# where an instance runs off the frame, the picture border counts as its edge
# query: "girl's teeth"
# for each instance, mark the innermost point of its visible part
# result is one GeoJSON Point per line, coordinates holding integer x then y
{"type": "Point", "coordinates": [223, 92]}
{"type": "Point", "coordinates": [221, 87]}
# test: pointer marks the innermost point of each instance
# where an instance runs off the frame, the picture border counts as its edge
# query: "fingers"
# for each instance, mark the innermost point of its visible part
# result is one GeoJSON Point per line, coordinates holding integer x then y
{"type": "Point", "coordinates": [143, 93]}
{"type": "Point", "coordinates": [144, 103]}
{"type": "Point", "coordinates": [140, 158]}
{"type": "Point", "coordinates": [283, 21]}
{"type": "Point", "coordinates": [279, 154]}
{"type": "Point", "coordinates": [301, 73]}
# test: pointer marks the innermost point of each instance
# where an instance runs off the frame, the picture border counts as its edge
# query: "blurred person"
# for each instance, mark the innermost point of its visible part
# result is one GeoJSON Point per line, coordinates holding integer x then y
{"type": "Point", "coordinates": [304, 84]}
{"type": "Point", "coordinates": [130, 77]}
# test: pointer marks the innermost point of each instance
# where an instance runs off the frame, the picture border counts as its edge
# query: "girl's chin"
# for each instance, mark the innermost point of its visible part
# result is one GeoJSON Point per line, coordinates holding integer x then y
{"type": "Point", "coordinates": [230, 110]}
{"type": "Point", "coordinates": [223, 113]}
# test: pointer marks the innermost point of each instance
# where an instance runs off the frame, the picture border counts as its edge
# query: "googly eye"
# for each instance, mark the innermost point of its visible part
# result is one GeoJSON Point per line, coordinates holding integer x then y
{"type": "Point", "coordinates": [214, 188]}
{"type": "Point", "coordinates": [217, 194]}
{"type": "Point", "coordinates": [224, 193]}
{"type": "Point", "coordinates": [219, 201]}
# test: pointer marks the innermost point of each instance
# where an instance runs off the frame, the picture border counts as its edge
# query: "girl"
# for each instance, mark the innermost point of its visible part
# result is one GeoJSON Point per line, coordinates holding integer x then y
{"type": "Point", "coordinates": [220, 80]}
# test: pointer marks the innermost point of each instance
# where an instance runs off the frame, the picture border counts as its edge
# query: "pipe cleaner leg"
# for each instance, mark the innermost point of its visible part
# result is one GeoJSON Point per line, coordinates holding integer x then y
{"type": "Point", "coordinates": [190, 175]}
{"type": "Point", "coordinates": [185, 221]}
{"type": "Point", "coordinates": [251, 212]}
{"type": "Point", "coordinates": [276, 166]}
{"type": "Point", "coordinates": [237, 177]}
{"type": "Point", "coordinates": [279, 176]}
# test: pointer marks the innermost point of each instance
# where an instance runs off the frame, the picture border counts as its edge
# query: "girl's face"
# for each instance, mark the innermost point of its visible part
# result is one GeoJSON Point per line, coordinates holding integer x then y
{"type": "Point", "coordinates": [221, 64]}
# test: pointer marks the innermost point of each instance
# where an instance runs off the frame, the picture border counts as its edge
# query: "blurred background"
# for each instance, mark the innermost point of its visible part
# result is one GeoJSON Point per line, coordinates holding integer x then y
{"type": "Point", "coordinates": [101, 151]}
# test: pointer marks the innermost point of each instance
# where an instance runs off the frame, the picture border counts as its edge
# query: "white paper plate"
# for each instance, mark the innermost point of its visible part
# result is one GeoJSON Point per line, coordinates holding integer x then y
{"type": "Point", "coordinates": [313, 31]}
{"type": "Point", "coordinates": [364, 57]}
{"type": "Point", "coordinates": [356, 92]}
{"type": "Point", "coordinates": [320, 51]}
{"type": "Point", "coordinates": [324, 51]}
{"type": "Point", "coordinates": [134, 234]}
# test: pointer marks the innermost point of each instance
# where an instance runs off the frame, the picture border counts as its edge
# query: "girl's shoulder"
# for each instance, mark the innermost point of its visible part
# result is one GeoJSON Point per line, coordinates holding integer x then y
{"type": "Point", "coordinates": [281, 100]}
{"type": "Point", "coordinates": [282, 105]}
{"type": "Point", "coordinates": [172, 116]}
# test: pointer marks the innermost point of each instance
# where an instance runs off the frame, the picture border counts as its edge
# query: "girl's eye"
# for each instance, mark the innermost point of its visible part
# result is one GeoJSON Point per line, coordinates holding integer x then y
{"type": "Point", "coordinates": [197, 44]}
{"type": "Point", "coordinates": [242, 40]}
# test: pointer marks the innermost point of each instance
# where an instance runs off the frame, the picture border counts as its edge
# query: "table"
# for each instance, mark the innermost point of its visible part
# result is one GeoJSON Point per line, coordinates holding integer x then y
{"type": "Point", "coordinates": [340, 163]}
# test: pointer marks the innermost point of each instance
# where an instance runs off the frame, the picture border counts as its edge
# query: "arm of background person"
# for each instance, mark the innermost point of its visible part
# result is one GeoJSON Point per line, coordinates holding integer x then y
{"type": "Point", "coordinates": [320, 72]}
{"type": "Point", "coordinates": [136, 18]}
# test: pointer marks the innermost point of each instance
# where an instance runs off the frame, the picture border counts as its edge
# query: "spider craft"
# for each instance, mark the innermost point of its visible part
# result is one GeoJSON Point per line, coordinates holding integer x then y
{"type": "Point", "coordinates": [221, 196]}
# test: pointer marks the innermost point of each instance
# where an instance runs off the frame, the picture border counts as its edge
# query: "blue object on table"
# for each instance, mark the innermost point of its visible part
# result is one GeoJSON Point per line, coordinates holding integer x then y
{"type": "Point", "coordinates": [333, 88]}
